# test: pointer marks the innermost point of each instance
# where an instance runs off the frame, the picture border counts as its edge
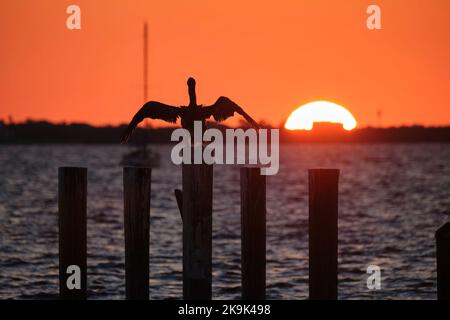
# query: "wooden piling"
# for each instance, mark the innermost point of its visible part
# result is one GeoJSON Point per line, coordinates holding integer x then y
{"type": "Point", "coordinates": [197, 231]}
{"type": "Point", "coordinates": [72, 193]}
{"type": "Point", "coordinates": [137, 188]}
{"type": "Point", "coordinates": [323, 233]}
{"type": "Point", "coordinates": [253, 234]}
{"type": "Point", "coordinates": [443, 261]}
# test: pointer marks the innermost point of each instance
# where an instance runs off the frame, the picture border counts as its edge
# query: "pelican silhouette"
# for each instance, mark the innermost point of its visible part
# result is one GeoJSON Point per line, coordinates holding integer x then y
{"type": "Point", "coordinates": [222, 109]}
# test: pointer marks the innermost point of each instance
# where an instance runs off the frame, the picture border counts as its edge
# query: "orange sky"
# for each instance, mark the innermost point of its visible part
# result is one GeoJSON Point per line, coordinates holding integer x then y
{"type": "Point", "coordinates": [268, 56]}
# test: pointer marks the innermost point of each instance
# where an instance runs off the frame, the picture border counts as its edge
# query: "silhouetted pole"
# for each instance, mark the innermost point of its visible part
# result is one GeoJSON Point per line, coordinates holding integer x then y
{"type": "Point", "coordinates": [323, 233]}
{"type": "Point", "coordinates": [197, 231]}
{"type": "Point", "coordinates": [253, 234]}
{"type": "Point", "coordinates": [443, 261]}
{"type": "Point", "coordinates": [136, 186]}
{"type": "Point", "coordinates": [72, 193]}
{"type": "Point", "coordinates": [145, 67]}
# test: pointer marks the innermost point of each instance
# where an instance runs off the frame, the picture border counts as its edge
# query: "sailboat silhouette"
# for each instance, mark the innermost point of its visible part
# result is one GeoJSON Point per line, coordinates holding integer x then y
{"type": "Point", "coordinates": [142, 156]}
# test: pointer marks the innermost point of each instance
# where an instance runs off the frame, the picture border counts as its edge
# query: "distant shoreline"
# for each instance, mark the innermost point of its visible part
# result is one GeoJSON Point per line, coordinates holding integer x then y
{"type": "Point", "coordinates": [42, 132]}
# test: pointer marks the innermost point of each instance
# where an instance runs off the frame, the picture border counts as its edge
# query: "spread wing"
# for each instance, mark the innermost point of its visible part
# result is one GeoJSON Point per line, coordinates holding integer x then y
{"type": "Point", "coordinates": [225, 108]}
{"type": "Point", "coordinates": [153, 110]}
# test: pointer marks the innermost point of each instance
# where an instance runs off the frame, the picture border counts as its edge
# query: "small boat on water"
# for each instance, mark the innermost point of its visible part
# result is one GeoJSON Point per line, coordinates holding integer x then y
{"type": "Point", "coordinates": [141, 157]}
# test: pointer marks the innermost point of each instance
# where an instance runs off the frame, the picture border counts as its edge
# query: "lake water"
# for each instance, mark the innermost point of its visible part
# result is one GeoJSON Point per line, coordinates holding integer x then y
{"type": "Point", "coordinates": [392, 199]}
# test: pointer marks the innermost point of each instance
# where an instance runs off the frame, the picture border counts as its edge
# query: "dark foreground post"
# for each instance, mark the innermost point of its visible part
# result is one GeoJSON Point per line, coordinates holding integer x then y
{"type": "Point", "coordinates": [323, 233]}
{"type": "Point", "coordinates": [197, 231]}
{"type": "Point", "coordinates": [253, 234]}
{"type": "Point", "coordinates": [136, 186]}
{"type": "Point", "coordinates": [443, 261]}
{"type": "Point", "coordinates": [72, 191]}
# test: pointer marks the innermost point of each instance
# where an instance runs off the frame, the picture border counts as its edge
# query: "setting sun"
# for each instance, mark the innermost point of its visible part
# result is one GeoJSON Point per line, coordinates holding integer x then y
{"type": "Point", "coordinates": [305, 116]}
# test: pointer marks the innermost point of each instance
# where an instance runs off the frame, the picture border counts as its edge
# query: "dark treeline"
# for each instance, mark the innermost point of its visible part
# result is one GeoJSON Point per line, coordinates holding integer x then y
{"type": "Point", "coordinates": [41, 132]}
{"type": "Point", "coordinates": [334, 133]}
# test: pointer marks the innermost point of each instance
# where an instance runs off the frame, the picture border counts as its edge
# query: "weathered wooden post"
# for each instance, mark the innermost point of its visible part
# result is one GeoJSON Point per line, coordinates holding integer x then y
{"type": "Point", "coordinates": [323, 233]}
{"type": "Point", "coordinates": [137, 188]}
{"type": "Point", "coordinates": [443, 261]}
{"type": "Point", "coordinates": [72, 193]}
{"type": "Point", "coordinates": [197, 231]}
{"type": "Point", "coordinates": [253, 233]}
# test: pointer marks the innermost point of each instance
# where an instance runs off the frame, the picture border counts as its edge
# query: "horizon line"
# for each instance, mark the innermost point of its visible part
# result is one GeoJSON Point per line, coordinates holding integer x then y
{"type": "Point", "coordinates": [169, 126]}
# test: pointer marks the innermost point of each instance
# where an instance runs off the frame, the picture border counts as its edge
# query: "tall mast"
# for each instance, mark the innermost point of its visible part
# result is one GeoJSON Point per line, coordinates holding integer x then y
{"type": "Point", "coordinates": [379, 114]}
{"type": "Point", "coordinates": [145, 61]}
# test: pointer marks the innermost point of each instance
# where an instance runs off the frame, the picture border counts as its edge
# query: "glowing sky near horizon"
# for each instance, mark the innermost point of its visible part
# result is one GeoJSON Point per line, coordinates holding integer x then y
{"type": "Point", "coordinates": [268, 56]}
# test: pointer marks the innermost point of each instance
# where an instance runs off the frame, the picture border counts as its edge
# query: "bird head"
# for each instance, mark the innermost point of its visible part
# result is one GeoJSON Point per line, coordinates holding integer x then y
{"type": "Point", "coordinates": [191, 82]}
